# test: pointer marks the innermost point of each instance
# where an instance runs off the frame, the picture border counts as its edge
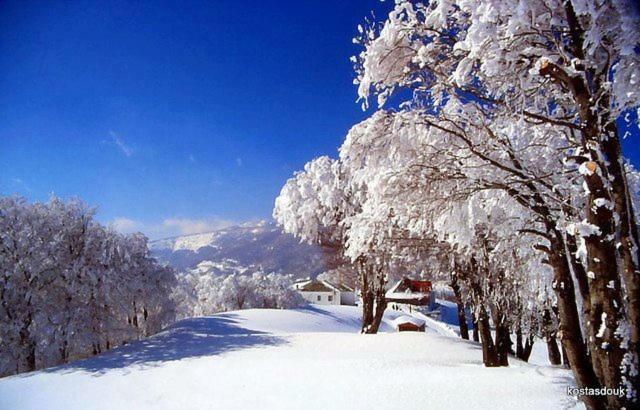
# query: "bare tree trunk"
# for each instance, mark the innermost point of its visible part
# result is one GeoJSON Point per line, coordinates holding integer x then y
{"type": "Point", "coordinates": [476, 336]}
{"type": "Point", "coordinates": [367, 311]}
{"type": "Point", "coordinates": [528, 347]}
{"type": "Point", "coordinates": [565, 359]}
{"type": "Point", "coordinates": [380, 306]}
{"type": "Point", "coordinates": [29, 346]}
{"type": "Point", "coordinates": [569, 322]}
{"type": "Point", "coordinates": [523, 346]}
{"type": "Point", "coordinates": [135, 315]}
{"type": "Point", "coordinates": [379, 297]}
{"type": "Point", "coordinates": [503, 339]}
{"type": "Point", "coordinates": [367, 300]}
{"type": "Point", "coordinates": [580, 275]}
{"type": "Point", "coordinates": [629, 242]}
{"type": "Point", "coordinates": [606, 183]}
{"type": "Point", "coordinates": [462, 318]}
{"type": "Point", "coordinates": [550, 336]}
{"type": "Point", "coordinates": [489, 353]}
{"type": "Point", "coordinates": [604, 290]}
{"type": "Point", "coordinates": [553, 351]}
{"type": "Point", "coordinates": [503, 344]}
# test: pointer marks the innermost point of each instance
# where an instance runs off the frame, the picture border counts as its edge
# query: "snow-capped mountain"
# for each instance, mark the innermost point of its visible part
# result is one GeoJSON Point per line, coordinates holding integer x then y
{"type": "Point", "coordinates": [241, 249]}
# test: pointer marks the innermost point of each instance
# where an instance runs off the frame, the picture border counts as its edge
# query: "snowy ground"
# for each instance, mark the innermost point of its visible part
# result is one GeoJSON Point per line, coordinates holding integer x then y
{"type": "Point", "coordinates": [284, 359]}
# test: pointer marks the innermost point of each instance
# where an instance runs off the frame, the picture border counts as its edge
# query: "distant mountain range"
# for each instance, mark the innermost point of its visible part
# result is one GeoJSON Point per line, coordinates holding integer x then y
{"type": "Point", "coordinates": [241, 249]}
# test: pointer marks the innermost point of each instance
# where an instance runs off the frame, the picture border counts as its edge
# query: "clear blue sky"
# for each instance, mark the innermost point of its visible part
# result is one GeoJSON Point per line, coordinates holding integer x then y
{"type": "Point", "coordinates": [173, 117]}
{"type": "Point", "coordinates": [157, 111]}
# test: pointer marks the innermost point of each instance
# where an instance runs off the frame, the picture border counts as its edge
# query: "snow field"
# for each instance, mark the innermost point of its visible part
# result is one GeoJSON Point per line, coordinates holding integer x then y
{"type": "Point", "coordinates": [284, 359]}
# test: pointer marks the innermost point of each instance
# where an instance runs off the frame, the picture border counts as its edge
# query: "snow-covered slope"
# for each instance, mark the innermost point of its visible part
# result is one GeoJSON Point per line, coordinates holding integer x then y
{"type": "Point", "coordinates": [284, 359]}
{"type": "Point", "coordinates": [243, 248]}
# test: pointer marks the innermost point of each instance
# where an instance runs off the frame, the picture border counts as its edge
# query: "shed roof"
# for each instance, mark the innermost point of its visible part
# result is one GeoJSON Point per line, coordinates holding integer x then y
{"type": "Point", "coordinates": [408, 319]}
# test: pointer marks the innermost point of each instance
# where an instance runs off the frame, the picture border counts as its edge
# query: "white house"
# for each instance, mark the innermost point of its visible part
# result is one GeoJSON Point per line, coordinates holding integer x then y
{"type": "Point", "coordinates": [322, 292]}
{"type": "Point", "coordinates": [347, 295]}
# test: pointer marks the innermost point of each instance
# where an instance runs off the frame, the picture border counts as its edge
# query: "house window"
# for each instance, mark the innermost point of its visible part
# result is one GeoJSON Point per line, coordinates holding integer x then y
{"type": "Point", "coordinates": [330, 297]}
{"type": "Point", "coordinates": [319, 298]}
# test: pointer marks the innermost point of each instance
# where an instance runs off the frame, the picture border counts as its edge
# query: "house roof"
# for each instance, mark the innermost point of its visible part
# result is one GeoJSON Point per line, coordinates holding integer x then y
{"type": "Point", "coordinates": [343, 288]}
{"type": "Point", "coordinates": [317, 286]}
{"type": "Point", "coordinates": [321, 286]}
{"type": "Point", "coordinates": [415, 292]}
{"type": "Point", "coordinates": [411, 286]}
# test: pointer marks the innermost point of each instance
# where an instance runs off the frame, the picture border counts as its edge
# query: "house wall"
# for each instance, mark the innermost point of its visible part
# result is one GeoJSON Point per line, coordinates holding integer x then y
{"type": "Point", "coordinates": [312, 297]}
{"type": "Point", "coordinates": [410, 327]}
{"type": "Point", "coordinates": [348, 298]}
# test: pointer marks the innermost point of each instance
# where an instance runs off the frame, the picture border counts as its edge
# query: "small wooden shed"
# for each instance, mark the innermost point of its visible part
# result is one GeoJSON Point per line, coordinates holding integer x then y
{"type": "Point", "coordinates": [408, 323]}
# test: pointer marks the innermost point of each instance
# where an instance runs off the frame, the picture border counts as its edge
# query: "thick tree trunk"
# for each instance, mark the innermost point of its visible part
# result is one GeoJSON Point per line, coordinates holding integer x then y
{"type": "Point", "coordinates": [607, 312]}
{"type": "Point", "coordinates": [553, 351]}
{"type": "Point", "coordinates": [29, 348]}
{"type": "Point", "coordinates": [134, 318]}
{"type": "Point", "coordinates": [523, 346]}
{"type": "Point", "coordinates": [550, 336]}
{"type": "Point", "coordinates": [565, 359]}
{"type": "Point", "coordinates": [580, 275]}
{"type": "Point", "coordinates": [367, 310]}
{"type": "Point", "coordinates": [528, 348]}
{"type": "Point", "coordinates": [64, 349]}
{"type": "Point", "coordinates": [380, 301]}
{"type": "Point", "coordinates": [503, 339]}
{"type": "Point", "coordinates": [628, 242]}
{"type": "Point", "coordinates": [503, 345]}
{"type": "Point", "coordinates": [606, 183]}
{"type": "Point", "coordinates": [380, 306]}
{"type": "Point", "coordinates": [489, 352]}
{"type": "Point", "coordinates": [368, 298]}
{"type": "Point", "coordinates": [569, 322]}
{"type": "Point", "coordinates": [462, 320]}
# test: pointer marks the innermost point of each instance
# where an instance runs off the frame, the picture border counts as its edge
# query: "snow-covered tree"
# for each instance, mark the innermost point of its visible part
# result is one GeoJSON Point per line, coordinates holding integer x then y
{"type": "Point", "coordinates": [200, 293]}
{"type": "Point", "coordinates": [344, 275]}
{"type": "Point", "coordinates": [70, 288]}
{"type": "Point", "coordinates": [322, 205]}
{"type": "Point", "coordinates": [511, 86]}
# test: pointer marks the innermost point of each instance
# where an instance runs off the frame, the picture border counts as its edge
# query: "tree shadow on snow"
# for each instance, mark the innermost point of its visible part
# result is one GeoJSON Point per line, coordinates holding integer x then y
{"type": "Point", "coordinates": [339, 319]}
{"type": "Point", "coordinates": [190, 338]}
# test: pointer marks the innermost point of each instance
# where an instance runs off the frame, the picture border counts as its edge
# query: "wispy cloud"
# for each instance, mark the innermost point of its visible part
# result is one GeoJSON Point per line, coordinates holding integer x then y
{"type": "Point", "coordinates": [19, 185]}
{"type": "Point", "coordinates": [186, 226]}
{"type": "Point", "coordinates": [239, 161]}
{"type": "Point", "coordinates": [117, 142]}
{"type": "Point", "coordinates": [170, 226]}
{"type": "Point", "coordinates": [126, 225]}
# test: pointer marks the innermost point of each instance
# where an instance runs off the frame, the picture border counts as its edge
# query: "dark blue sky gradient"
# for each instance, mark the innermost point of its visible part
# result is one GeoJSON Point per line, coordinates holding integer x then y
{"type": "Point", "coordinates": [156, 110]}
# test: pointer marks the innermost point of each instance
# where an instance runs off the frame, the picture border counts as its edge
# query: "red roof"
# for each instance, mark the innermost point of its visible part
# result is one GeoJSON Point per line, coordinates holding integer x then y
{"type": "Point", "coordinates": [413, 292]}
{"type": "Point", "coordinates": [422, 286]}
